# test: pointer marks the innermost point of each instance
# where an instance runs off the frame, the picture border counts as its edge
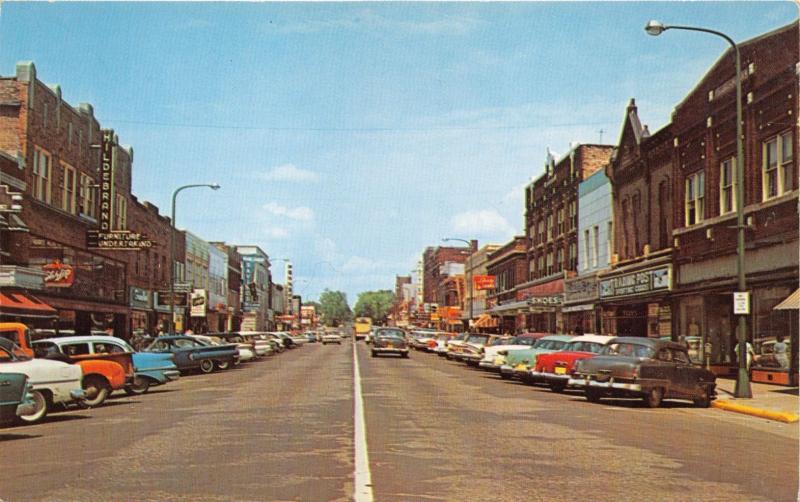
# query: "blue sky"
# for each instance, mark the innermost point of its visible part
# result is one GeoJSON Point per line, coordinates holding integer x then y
{"type": "Point", "coordinates": [350, 136]}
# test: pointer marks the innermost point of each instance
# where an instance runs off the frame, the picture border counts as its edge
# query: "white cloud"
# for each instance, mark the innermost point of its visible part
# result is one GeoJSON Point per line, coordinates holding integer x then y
{"type": "Point", "coordinates": [289, 172]}
{"type": "Point", "coordinates": [299, 213]}
{"type": "Point", "coordinates": [482, 222]}
{"type": "Point", "coordinates": [272, 232]}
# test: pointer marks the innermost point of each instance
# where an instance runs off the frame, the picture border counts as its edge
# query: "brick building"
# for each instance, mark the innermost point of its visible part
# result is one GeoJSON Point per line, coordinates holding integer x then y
{"type": "Point", "coordinates": [704, 209]}
{"type": "Point", "coordinates": [635, 293]}
{"type": "Point", "coordinates": [57, 172]}
{"type": "Point", "coordinates": [551, 221]}
{"type": "Point", "coordinates": [433, 259]}
{"type": "Point", "coordinates": [476, 266]}
{"type": "Point", "coordinates": [509, 265]}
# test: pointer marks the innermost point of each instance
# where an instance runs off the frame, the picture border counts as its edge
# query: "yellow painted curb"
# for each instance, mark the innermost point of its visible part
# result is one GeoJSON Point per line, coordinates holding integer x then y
{"type": "Point", "coordinates": [780, 416]}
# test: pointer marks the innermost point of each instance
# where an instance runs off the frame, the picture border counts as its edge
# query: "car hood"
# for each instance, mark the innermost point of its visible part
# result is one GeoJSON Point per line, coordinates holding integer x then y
{"type": "Point", "coordinates": [494, 349]}
{"type": "Point", "coordinates": [43, 370]}
{"type": "Point", "coordinates": [527, 355]}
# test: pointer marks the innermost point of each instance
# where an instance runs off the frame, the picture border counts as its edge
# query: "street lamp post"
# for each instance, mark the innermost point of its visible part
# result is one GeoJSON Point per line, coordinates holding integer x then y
{"type": "Point", "coordinates": [213, 186]}
{"type": "Point", "coordinates": [656, 28]}
{"type": "Point", "coordinates": [468, 243]}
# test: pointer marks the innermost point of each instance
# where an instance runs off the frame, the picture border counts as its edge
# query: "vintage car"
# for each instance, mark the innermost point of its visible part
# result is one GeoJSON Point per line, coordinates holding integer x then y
{"type": "Point", "coordinates": [51, 382]}
{"type": "Point", "coordinates": [389, 341]}
{"type": "Point", "coordinates": [148, 369]}
{"type": "Point", "coordinates": [191, 354]}
{"type": "Point", "coordinates": [331, 337]}
{"type": "Point", "coordinates": [519, 362]}
{"type": "Point", "coordinates": [454, 345]}
{"type": "Point", "coordinates": [555, 368]}
{"type": "Point", "coordinates": [246, 348]}
{"type": "Point", "coordinates": [473, 350]}
{"type": "Point", "coordinates": [421, 339]}
{"type": "Point", "coordinates": [495, 356]}
{"type": "Point", "coordinates": [15, 396]}
{"type": "Point", "coordinates": [262, 343]}
{"type": "Point", "coordinates": [649, 368]}
{"type": "Point", "coordinates": [440, 349]}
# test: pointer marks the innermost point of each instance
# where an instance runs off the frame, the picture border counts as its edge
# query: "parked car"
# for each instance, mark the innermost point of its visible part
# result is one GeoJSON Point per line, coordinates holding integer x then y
{"type": "Point", "coordinates": [331, 337]}
{"type": "Point", "coordinates": [454, 344]}
{"type": "Point", "coordinates": [191, 354]}
{"type": "Point", "coordinates": [262, 342]}
{"type": "Point", "coordinates": [103, 373]}
{"type": "Point", "coordinates": [246, 348]}
{"type": "Point", "coordinates": [556, 368]}
{"type": "Point", "coordinates": [149, 369]}
{"type": "Point", "coordinates": [51, 382]}
{"type": "Point", "coordinates": [649, 368]}
{"type": "Point", "coordinates": [495, 356]}
{"type": "Point", "coordinates": [471, 352]}
{"type": "Point", "coordinates": [519, 362]}
{"type": "Point", "coordinates": [15, 392]}
{"type": "Point", "coordinates": [420, 339]}
{"type": "Point", "coordinates": [440, 349]}
{"type": "Point", "coordinates": [389, 341]}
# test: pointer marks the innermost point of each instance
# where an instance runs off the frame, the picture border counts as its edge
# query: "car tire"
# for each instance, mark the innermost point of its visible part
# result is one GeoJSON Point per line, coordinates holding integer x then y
{"type": "Point", "coordinates": [654, 397]}
{"type": "Point", "coordinates": [558, 387]}
{"type": "Point", "coordinates": [222, 365]}
{"type": "Point", "coordinates": [593, 395]}
{"type": "Point", "coordinates": [139, 386]}
{"type": "Point", "coordinates": [97, 390]}
{"type": "Point", "coordinates": [43, 404]}
{"type": "Point", "coordinates": [405, 355]}
{"type": "Point", "coordinates": [505, 376]}
{"type": "Point", "coordinates": [374, 354]}
{"type": "Point", "coordinates": [702, 402]}
{"type": "Point", "coordinates": [206, 366]}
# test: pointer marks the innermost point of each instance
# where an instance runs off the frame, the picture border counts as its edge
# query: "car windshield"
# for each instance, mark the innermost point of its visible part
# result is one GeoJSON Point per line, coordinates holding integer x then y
{"type": "Point", "coordinates": [522, 340]}
{"type": "Point", "coordinates": [549, 344]}
{"type": "Point", "coordinates": [394, 333]}
{"type": "Point", "coordinates": [478, 339]}
{"type": "Point", "coordinates": [12, 352]}
{"type": "Point", "coordinates": [628, 349]}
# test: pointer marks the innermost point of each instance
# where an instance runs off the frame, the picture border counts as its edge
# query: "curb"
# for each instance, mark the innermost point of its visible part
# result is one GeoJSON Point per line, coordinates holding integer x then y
{"type": "Point", "coordinates": [780, 416]}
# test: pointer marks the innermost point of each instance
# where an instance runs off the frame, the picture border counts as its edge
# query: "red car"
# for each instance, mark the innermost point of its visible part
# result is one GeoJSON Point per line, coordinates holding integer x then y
{"type": "Point", "coordinates": [555, 368]}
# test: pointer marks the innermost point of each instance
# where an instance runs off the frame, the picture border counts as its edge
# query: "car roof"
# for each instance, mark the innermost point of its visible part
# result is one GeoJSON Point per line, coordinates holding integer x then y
{"type": "Point", "coordinates": [655, 343]}
{"type": "Point", "coordinates": [593, 338]}
{"type": "Point", "coordinates": [563, 338]}
{"type": "Point", "coordinates": [81, 339]}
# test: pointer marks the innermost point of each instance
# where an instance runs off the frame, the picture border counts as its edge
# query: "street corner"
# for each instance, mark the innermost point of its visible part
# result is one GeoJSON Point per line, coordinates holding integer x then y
{"type": "Point", "coordinates": [780, 416]}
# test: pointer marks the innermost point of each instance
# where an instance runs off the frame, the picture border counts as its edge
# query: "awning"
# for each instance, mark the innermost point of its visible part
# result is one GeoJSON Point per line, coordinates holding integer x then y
{"type": "Point", "coordinates": [25, 305]}
{"type": "Point", "coordinates": [485, 321]}
{"type": "Point", "coordinates": [12, 223]}
{"type": "Point", "coordinates": [508, 308]}
{"type": "Point", "coordinates": [792, 302]}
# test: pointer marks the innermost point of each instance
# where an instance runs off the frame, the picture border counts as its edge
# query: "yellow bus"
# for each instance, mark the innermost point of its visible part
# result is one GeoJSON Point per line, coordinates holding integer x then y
{"type": "Point", "coordinates": [363, 326]}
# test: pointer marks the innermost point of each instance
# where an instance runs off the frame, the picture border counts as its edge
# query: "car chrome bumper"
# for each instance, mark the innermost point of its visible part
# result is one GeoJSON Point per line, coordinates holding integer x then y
{"type": "Point", "coordinates": [26, 409]}
{"type": "Point", "coordinates": [172, 375]}
{"type": "Point", "coordinates": [390, 351]}
{"type": "Point", "coordinates": [77, 394]}
{"type": "Point", "coordinates": [506, 369]}
{"type": "Point", "coordinates": [610, 384]}
{"type": "Point", "coordinates": [487, 365]}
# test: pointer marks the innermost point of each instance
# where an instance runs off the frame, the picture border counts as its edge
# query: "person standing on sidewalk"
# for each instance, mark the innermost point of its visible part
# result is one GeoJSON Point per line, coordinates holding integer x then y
{"type": "Point", "coordinates": [781, 350]}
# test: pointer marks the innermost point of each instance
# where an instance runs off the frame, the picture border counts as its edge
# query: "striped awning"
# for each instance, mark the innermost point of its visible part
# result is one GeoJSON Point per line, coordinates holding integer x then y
{"type": "Point", "coordinates": [792, 302]}
{"type": "Point", "coordinates": [25, 305]}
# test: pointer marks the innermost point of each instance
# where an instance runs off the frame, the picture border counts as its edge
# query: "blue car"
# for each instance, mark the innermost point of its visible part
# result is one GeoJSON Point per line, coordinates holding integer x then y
{"type": "Point", "coordinates": [149, 368]}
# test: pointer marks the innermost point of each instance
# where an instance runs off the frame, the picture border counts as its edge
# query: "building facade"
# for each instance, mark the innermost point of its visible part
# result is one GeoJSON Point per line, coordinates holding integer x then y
{"type": "Point", "coordinates": [509, 266]}
{"type": "Point", "coordinates": [475, 266]}
{"type": "Point", "coordinates": [256, 289]}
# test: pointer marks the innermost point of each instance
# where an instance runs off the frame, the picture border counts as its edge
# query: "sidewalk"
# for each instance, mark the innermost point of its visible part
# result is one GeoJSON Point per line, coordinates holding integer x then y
{"type": "Point", "coordinates": [773, 402]}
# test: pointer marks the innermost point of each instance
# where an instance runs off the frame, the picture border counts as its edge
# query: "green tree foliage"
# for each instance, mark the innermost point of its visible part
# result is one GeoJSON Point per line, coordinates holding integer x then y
{"type": "Point", "coordinates": [334, 308]}
{"type": "Point", "coordinates": [374, 304]}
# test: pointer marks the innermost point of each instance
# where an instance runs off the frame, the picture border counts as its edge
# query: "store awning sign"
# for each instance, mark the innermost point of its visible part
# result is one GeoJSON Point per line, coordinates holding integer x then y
{"type": "Point", "coordinates": [481, 282]}
{"type": "Point", "coordinates": [199, 303]}
{"type": "Point", "coordinates": [117, 240]}
{"type": "Point", "coordinates": [58, 275]}
{"type": "Point", "coordinates": [637, 283]}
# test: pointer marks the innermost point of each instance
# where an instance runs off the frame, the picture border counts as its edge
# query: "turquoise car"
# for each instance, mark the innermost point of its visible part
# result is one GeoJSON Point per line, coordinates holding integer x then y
{"type": "Point", "coordinates": [14, 399]}
{"type": "Point", "coordinates": [519, 362]}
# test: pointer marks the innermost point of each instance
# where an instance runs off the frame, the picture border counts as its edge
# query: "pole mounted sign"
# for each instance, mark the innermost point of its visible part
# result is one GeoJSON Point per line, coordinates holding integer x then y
{"type": "Point", "coordinates": [107, 237]}
{"type": "Point", "coordinates": [741, 303]}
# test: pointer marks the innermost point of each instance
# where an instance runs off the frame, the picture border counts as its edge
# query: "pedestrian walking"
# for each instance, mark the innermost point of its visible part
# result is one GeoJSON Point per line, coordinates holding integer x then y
{"type": "Point", "coordinates": [750, 354]}
{"type": "Point", "coordinates": [781, 350]}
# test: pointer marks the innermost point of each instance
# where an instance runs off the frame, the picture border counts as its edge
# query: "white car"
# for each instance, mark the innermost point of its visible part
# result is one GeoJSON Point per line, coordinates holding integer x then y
{"type": "Point", "coordinates": [494, 356]}
{"type": "Point", "coordinates": [52, 382]}
{"type": "Point", "coordinates": [331, 338]}
{"type": "Point", "coordinates": [261, 342]}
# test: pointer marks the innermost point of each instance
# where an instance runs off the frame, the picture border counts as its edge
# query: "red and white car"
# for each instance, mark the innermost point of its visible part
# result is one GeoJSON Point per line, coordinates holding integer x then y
{"type": "Point", "coordinates": [556, 368]}
{"type": "Point", "coordinates": [494, 356]}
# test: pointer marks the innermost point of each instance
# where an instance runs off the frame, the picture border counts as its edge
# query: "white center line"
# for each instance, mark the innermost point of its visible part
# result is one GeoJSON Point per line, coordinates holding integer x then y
{"type": "Point", "coordinates": [363, 478]}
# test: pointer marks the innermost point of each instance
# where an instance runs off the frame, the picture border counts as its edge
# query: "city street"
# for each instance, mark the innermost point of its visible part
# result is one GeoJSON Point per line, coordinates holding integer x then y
{"type": "Point", "coordinates": [283, 429]}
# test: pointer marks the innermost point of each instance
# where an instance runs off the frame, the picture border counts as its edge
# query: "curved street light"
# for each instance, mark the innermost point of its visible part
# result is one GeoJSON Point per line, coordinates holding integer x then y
{"type": "Point", "coordinates": [213, 186]}
{"type": "Point", "coordinates": [469, 244]}
{"type": "Point", "coordinates": [656, 28]}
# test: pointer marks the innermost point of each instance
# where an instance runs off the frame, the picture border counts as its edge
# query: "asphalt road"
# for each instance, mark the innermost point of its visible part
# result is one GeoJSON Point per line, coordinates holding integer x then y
{"type": "Point", "coordinates": [282, 429]}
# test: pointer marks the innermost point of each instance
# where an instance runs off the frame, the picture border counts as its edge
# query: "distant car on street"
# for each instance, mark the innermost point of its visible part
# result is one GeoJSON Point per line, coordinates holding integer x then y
{"type": "Point", "coordinates": [331, 337]}
{"type": "Point", "coordinates": [389, 341]}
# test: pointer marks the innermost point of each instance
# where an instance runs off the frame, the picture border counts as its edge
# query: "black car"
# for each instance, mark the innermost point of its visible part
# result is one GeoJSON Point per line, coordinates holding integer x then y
{"type": "Point", "coordinates": [389, 341]}
{"type": "Point", "coordinates": [652, 369]}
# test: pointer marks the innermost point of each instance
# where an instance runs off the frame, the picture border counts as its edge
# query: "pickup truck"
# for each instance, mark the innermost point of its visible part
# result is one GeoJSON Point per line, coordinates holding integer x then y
{"type": "Point", "coordinates": [51, 382]}
{"type": "Point", "coordinates": [193, 354]}
{"type": "Point", "coordinates": [102, 373]}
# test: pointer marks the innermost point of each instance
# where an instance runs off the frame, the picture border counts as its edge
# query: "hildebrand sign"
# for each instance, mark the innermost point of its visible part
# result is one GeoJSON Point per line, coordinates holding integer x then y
{"type": "Point", "coordinates": [107, 180]}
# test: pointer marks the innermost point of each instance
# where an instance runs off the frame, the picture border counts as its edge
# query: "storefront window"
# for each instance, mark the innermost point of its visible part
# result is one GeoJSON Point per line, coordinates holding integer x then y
{"type": "Point", "coordinates": [770, 325]}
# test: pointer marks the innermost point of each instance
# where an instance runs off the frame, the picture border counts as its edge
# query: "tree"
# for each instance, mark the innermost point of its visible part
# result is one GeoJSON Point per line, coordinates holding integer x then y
{"type": "Point", "coordinates": [334, 308]}
{"type": "Point", "coordinates": [374, 304]}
